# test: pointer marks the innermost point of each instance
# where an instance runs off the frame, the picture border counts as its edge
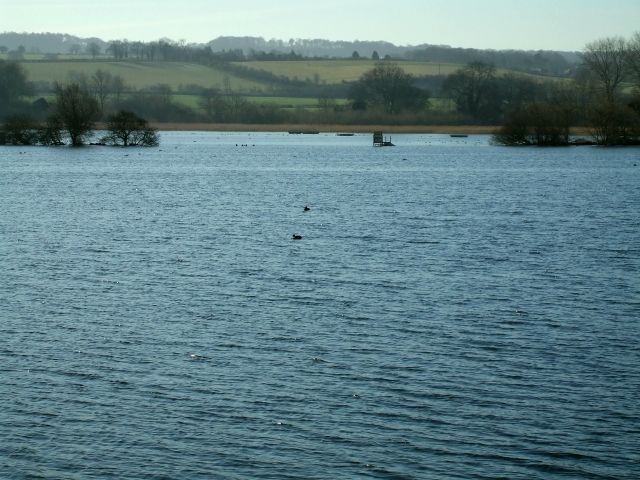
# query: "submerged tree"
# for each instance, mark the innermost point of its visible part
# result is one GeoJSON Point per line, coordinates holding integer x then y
{"type": "Point", "coordinates": [614, 123]}
{"type": "Point", "coordinates": [51, 132]}
{"type": "Point", "coordinates": [539, 123]}
{"type": "Point", "coordinates": [19, 129]}
{"type": "Point", "coordinates": [127, 129]}
{"type": "Point", "coordinates": [23, 129]}
{"type": "Point", "coordinates": [77, 111]}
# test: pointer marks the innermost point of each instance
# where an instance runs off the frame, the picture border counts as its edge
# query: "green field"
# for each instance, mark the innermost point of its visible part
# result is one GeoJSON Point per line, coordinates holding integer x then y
{"type": "Point", "coordinates": [305, 103]}
{"type": "Point", "coordinates": [337, 71]}
{"type": "Point", "coordinates": [282, 102]}
{"type": "Point", "coordinates": [192, 101]}
{"type": "Point", "coordinates": [175, 74]}
{"type": "Point", "coordinates": [140, 75]}
{"type": "Point", "coordinates": [180, 74]}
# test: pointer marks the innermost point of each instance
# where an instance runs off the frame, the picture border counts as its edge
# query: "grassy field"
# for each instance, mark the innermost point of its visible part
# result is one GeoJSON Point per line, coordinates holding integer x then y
{"type": "Point", "coordinates": [140, 75]}
{"type": "Point", "coordinates": [337, 71]}
{"type": "Point", "coordinates": [177, 74]}
{"type": "Point", "coordinates": [289, 103]}
{"type": "Point", "coordinates": [192, 101]}
{"type": "Point", "coordinates": [281, 102]}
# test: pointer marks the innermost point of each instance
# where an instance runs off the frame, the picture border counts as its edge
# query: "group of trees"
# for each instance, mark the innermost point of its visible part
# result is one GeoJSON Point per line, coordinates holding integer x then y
{"type": "Point", "coordinates": [242, 49]}
{"type": "Point", "coordinates": [605, 97]}
{"type": "Point", "coordinates": [389, 88]}
{"type": "Point", "coordinates": [73, 114]}
{"type": "Point", "coordinates": [561, 64]}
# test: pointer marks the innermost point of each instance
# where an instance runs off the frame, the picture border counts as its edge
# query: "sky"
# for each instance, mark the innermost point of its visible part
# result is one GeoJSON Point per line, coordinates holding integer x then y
{"type": "Point", "coordinates": [497, 24]}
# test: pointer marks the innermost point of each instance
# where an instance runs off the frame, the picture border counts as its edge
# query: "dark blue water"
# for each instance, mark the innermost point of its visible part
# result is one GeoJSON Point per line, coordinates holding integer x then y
{"type": "Point", "coordinates": [454, 310]}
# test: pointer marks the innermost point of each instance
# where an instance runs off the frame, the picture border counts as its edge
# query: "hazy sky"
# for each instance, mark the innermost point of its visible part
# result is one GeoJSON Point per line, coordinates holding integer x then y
{"type": "Point", "coordinates": [500, 24]}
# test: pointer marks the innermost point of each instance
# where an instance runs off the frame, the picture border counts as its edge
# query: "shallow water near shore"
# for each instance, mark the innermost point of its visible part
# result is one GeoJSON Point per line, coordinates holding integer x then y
{"type": "Point", "coordinates": [453, 309]}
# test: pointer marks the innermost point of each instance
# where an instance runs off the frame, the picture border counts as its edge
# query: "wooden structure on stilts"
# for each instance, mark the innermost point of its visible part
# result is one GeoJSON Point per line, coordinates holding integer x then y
{"type": "Point", "coordinates": [380, 141]}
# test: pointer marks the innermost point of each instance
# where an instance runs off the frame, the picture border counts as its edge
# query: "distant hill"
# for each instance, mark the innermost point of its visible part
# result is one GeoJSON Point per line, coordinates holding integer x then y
{"type": "Point", "coordinates": [309, 47]}
{"type": "Point", "coordinates": [46, 42]}
{"type": "Point", "coordinates": [543, 62]}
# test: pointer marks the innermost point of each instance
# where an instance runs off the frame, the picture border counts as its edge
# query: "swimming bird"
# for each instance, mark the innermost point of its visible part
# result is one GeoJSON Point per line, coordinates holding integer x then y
{"type": "Point", "coordinates": [306, 208]}
{"type": "Point", "coordinates": [195, 356]}
{"type": "Point", "coordinates": [295, 236]}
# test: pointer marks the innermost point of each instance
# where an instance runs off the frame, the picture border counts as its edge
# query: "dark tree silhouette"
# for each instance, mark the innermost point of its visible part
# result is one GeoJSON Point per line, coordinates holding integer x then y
{"type": "Point", "coordinates": [471, 87]}
{"type": "Point", "coordinates": [13, 83]}
{"type": "Point", "coordinates": [127, 129]}
{"type": "Point", "coordinates": [77, 110]}
{"type": "Point", "coordinates": [607, 59]}
{"type": "Point", "coordinates": [387, 86]}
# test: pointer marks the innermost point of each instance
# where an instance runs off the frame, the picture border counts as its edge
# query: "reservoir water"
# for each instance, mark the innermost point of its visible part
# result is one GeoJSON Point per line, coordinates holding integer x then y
{"type": "Point", "coordinates": [453, 310]}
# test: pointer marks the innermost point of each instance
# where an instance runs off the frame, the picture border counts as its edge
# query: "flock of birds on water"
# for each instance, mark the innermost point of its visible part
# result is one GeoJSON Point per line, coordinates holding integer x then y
{"type": "Point", "coordinates": [297, 236]}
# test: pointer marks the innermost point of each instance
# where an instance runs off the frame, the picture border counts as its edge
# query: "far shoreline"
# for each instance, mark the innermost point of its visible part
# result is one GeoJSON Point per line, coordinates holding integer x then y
{"type": "Point", "coordinates": [336, 128]}
{"type": "Point", "coordinates": [328, 128]}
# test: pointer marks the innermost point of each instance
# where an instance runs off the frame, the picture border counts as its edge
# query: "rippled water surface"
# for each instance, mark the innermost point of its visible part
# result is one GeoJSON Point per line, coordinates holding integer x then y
{"type": "Point", "coordinates": [454, 310]}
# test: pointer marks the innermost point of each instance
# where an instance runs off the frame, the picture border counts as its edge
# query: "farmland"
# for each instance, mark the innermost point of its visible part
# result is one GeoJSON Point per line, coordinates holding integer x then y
{"type": "Point", "coordinates": [140, 75]}
{"type": "Point", "coordinates": [181, 75]}
{"type": "Point", "coordinates": [177, 74]}
{"type": "Point", "coordinates": [337, 71]}
{"type": "Point", "coordinates": [288, 85]}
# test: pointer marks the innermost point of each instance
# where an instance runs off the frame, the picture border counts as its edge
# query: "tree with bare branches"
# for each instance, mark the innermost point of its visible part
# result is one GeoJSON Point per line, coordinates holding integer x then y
{"type": "Point", "coordinates": [77, 111]}
{"type": "Point", "coordinates": [633, 58]}
{"type": "Point", "coordinates": [607, 59]}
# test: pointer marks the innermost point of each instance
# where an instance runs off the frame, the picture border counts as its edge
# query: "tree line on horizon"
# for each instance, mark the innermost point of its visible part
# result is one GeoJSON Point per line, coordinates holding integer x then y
{"type": "Point", "coordinates": [257, 48]}
{"type": "Point", "coordinates": [602, 95]}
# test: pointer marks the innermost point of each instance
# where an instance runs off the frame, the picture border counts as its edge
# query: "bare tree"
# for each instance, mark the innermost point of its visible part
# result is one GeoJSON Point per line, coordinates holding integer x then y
{"type": "Point", "coordinates": [471, 87]}
{"type": "Point", "coordinates": [633, 58]}
{"type": "Point", "coordinates": [607, 59]}
{"type": "Point", "coordinates": [101, 83]}
{"type": "Point", "coordinates": [13, 83]}
{"type": "Point", "coordinates": [326, 103]}
{"type": "Point", "coordinates": [75, 49]}
{"type": "Point", "coordinates": [127, 129]}
{"type": "Point", "coordinates": [19, 129]}
{"type": "Point", "coordinates": [77, 111]}
{"type": "Point", "coordinates": [118, 87]}
{"type": "Point", "coordinates": [93, 49]}
{"type": "Point", "coordinates": [210, 101]}
{"type": "Point", "coordinates": [119, 49]}
{"type": "Point", "coordinates": [79, 78]}
{"type": "Point", "coordinates": [388, 86]}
